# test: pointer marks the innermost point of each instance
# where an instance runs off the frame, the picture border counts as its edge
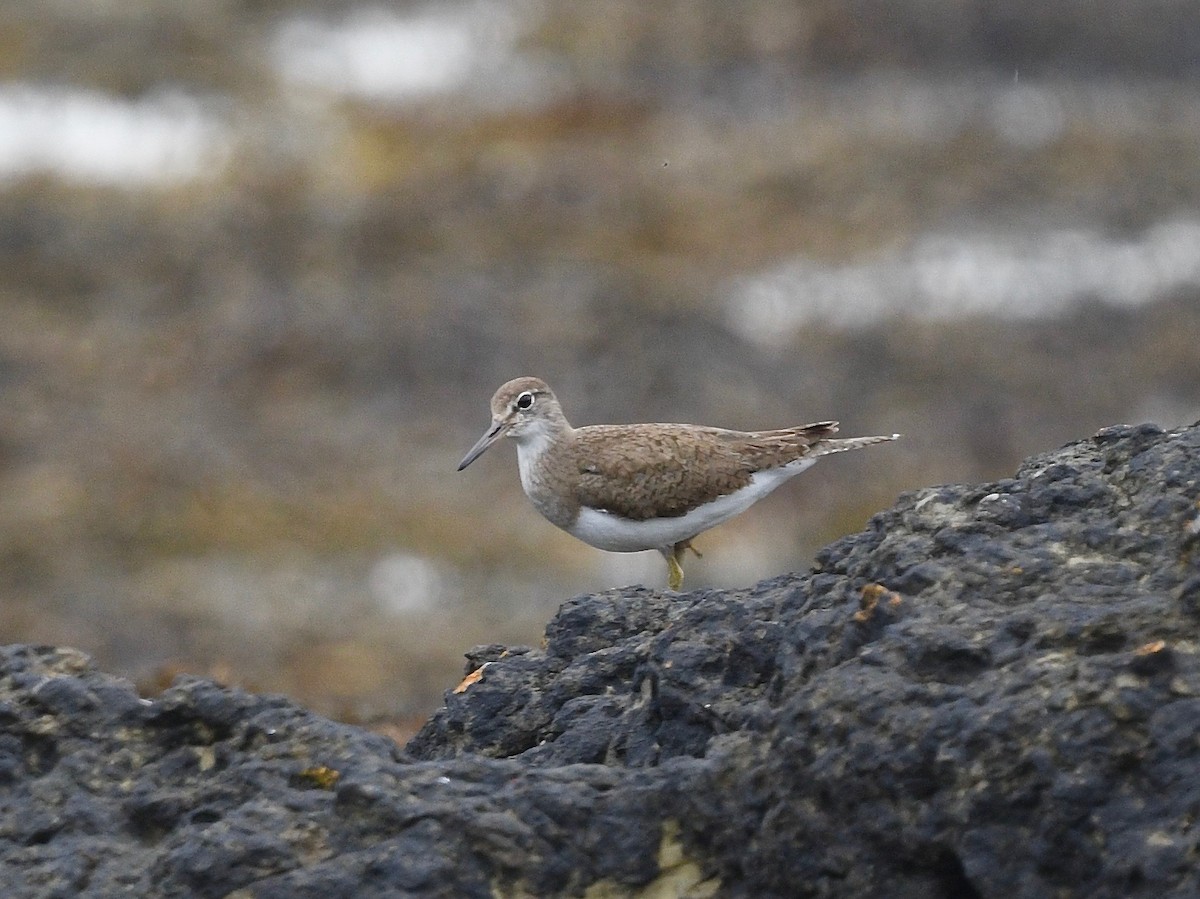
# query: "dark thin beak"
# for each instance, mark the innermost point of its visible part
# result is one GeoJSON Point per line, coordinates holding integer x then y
{"type": "Point", "coordinates": [494, 433]}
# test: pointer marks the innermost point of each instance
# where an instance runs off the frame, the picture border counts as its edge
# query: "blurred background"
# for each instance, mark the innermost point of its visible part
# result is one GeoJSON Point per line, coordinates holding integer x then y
{"type": "Point", "coordinates": [262, 265]}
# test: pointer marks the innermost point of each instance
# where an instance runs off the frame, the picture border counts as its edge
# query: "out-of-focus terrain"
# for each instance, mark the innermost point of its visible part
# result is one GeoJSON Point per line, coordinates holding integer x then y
{"type": "Point", "coordinates": [263, 264]}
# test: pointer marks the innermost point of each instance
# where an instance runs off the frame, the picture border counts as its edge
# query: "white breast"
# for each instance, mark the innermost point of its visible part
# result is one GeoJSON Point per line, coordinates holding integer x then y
{"type": "Point", "coordinates": [607, 531]}
{"type": "Point", "coordinates": [530, 447]}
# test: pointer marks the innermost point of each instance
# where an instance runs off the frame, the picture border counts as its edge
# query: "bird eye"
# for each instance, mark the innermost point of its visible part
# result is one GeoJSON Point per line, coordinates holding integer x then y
{"type": "Point", "coordinates": [525, 400]}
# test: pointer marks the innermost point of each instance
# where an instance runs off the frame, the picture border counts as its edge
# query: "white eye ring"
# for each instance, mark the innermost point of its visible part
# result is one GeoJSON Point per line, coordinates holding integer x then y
{"type": "Point", "coordinates": [525, 400]}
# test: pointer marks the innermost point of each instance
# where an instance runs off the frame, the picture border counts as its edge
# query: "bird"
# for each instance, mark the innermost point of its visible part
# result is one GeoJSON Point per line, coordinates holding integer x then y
{"type": "Point", "coordinates": [635, 487]}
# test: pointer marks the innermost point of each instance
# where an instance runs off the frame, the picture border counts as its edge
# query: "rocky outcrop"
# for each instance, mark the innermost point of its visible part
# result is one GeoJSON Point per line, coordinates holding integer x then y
{"type": "Point", "coordinates": [993, 691]}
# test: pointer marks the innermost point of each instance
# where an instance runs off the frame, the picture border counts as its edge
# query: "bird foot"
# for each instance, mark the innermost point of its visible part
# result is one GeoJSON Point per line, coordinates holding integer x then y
{"type": "Point", "coordinates": [674, 573]}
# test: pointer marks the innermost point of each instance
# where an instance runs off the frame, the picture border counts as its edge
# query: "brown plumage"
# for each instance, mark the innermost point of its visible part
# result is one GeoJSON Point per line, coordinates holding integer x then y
{"type": "Point", "coordinates": [627, 488]}
{"type": "Point", "coordinates": [663, 470]}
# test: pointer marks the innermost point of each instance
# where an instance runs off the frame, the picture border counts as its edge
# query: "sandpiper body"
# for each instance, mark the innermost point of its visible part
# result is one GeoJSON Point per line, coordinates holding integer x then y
{"type": "Point", "coordinates": [628, 488]}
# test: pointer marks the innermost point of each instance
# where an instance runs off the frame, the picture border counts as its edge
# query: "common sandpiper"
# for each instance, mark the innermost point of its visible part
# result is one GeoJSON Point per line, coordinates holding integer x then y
{"type": "Point", "coordinates": [628, 488]}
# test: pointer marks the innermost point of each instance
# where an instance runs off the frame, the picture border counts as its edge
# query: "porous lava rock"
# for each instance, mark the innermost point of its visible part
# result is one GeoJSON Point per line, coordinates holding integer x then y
{"type": "Point", "coordinates": [993, 691]}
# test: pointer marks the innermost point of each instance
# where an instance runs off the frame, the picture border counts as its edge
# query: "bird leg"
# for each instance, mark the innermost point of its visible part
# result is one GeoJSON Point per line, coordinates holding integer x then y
{"type": "Point", "coordinates": [674, 557]}
{"type": "Point", "coordinates": [674, 573]}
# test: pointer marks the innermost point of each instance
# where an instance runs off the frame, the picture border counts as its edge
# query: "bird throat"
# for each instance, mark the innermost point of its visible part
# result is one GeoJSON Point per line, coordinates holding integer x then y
{"type": "Point", "coordinates": [545, 463]}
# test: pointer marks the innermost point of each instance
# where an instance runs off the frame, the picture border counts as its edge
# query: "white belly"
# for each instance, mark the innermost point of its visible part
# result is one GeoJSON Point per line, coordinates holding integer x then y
{"type": "Point", "coordinates": [607, 531]}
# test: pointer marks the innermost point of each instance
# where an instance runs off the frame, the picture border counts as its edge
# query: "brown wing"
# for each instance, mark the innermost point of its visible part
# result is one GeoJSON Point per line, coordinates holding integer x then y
{"type": "Point", "coordinates": [663, 470]}
{"type": "Point", "coordinates": [770, 449]}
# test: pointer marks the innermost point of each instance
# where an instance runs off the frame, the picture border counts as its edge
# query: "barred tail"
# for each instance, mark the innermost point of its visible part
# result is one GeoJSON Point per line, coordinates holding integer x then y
{"type": "Point", "coordinates": [825, 447]}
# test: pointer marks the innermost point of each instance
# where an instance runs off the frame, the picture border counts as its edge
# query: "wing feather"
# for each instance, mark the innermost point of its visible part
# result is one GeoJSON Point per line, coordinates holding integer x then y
{"type": "Point", "coordinates": [664, 470]}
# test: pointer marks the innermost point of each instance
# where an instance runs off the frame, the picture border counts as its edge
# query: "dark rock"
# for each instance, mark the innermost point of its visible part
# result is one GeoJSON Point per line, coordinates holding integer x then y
{"type": "Point", "coordinates": [993, 691]}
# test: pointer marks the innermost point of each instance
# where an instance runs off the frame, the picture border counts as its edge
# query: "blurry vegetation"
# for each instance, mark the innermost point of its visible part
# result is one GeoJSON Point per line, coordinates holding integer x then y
{"type": "Point", "coordinates": [249, 388]}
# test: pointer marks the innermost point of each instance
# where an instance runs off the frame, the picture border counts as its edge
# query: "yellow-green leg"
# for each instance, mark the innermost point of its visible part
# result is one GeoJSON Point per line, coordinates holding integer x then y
{"type": "Point", "coordinates": [674, 571]}
{"type": "Point", "coordinates": [674, 557]}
